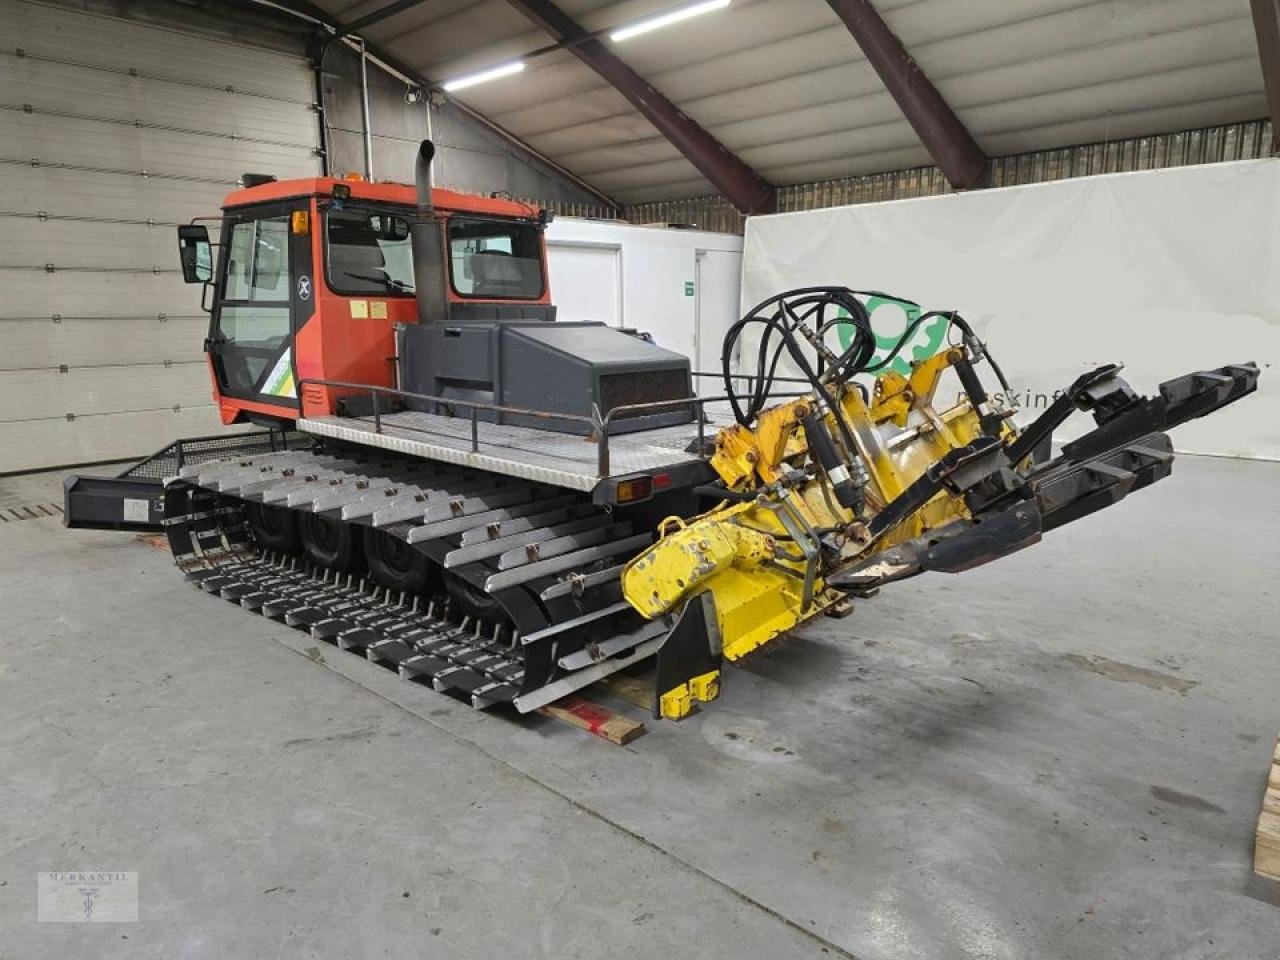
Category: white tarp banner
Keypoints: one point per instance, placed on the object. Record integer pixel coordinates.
(1166, 271)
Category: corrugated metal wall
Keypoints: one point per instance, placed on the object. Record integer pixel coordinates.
(469, 156)
(111, 133)
(1236, 141)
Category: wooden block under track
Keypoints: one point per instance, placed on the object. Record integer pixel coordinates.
(631, 689)
(1266, 850)
(594, 718)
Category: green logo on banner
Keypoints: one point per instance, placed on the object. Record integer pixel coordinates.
(927, 340)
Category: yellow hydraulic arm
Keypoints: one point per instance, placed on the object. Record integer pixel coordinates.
(764, 551)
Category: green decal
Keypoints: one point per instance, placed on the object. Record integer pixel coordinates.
(927, 340)
(688, 288)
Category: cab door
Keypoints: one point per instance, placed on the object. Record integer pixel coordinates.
(265, 294)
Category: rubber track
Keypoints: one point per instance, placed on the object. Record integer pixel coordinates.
(388, 629)
(564, 612)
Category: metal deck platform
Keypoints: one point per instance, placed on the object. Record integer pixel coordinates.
(562, 459)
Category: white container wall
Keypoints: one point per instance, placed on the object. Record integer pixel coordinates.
(680, 286)
(1166, 271)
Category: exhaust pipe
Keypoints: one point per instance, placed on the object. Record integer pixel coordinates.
(429, 276)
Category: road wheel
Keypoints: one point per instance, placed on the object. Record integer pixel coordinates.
(330, 543)
(472, 600)
(394, 563)
(273, 528)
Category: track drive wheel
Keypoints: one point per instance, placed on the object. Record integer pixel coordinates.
(330, 543)
(394, 563)
(273, 528)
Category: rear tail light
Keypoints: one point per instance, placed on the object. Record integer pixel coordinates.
(629, 491)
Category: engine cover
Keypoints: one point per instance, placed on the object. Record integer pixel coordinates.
(570, 368)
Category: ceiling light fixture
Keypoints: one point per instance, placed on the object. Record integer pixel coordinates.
(616, 34)
(666, 19)
(483, 76)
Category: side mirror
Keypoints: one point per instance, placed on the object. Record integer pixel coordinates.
(196, 253)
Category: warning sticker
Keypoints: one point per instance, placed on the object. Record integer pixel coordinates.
(280, 382)
(378, 309)
(136, 511)
(359, 309)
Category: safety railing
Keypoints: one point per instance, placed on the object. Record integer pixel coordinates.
(168, 461)
(600, 426)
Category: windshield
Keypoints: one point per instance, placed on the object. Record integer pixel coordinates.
(369, 252)
(495, 259)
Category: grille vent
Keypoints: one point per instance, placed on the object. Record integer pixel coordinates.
(642, 386)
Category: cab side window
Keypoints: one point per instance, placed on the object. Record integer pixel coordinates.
(495, 259)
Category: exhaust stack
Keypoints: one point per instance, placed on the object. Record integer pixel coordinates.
(428, 247)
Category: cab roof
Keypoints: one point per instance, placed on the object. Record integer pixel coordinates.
(399, 193)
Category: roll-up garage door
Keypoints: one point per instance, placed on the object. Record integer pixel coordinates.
(111, 133)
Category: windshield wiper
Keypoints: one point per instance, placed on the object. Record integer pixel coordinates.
(392, 284)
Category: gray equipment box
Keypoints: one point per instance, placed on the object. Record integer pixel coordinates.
(569, 368)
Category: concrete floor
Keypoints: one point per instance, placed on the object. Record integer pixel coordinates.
(1061, 755)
